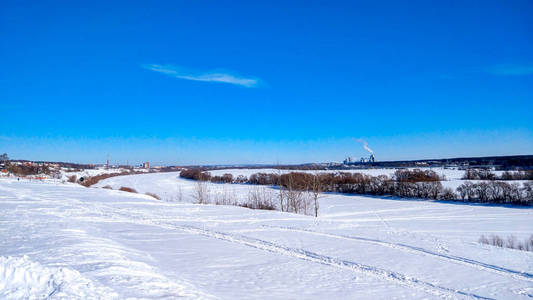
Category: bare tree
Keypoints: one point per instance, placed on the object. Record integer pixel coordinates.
(201, 192)
(225, 197)
(316, 188)
(179, 194)
(296, 193)
(260, 198)
(281, 194)
(292, 195)
(527, 191)
(306, 202)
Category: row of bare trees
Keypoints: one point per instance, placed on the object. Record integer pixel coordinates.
(496, 192)
(25, 170)
(299, 191)
(511, 242)
(405, 183)
(485, 174)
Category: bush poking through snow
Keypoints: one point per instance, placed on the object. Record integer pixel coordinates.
(127, 189)
(511, 242)
(201, 192)
(88, 181)
(153, 195)
(264, 206)
(108, 187)
(260, 198)
(72, 178)
(226, 197)
(447, 194)
(195, 174)
(25, 170)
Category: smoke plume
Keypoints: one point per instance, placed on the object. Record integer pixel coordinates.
(365, 145)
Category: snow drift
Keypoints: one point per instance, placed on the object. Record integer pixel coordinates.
(20, 278)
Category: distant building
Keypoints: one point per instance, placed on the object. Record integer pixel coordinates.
(146, 165)
(363, 160)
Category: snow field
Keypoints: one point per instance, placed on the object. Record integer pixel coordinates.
(359, 247)
(21, 278)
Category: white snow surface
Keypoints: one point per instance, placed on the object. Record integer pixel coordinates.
(95, 172)
(105, 244)
(21, 278)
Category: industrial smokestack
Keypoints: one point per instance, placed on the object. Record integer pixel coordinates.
(365, 145)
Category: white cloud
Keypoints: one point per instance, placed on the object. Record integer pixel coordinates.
(213, 76)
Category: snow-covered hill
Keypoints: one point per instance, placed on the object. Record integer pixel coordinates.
(67, 241)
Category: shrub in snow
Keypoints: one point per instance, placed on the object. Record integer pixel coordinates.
(127, 189)
(225, 197)
(72, 178)
(153, 195)
(511, 242)
(447, 194)
(201, 192)
(260, 198)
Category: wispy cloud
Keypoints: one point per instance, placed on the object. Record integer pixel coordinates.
(494, 70)
(211, 76)
(510, 70)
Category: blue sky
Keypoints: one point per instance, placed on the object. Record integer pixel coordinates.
(203, 82)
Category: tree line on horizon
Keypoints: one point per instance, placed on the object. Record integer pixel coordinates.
(404, 183)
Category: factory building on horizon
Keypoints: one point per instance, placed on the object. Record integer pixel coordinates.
(363, 160)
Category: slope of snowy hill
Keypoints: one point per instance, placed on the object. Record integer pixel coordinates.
(66, 241)
(65, 174)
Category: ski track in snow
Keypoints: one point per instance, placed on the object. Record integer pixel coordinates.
(373, 271)
(412, 249)
(379, 273)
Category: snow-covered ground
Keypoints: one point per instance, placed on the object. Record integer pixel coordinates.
(67, 241)
(65, 173)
